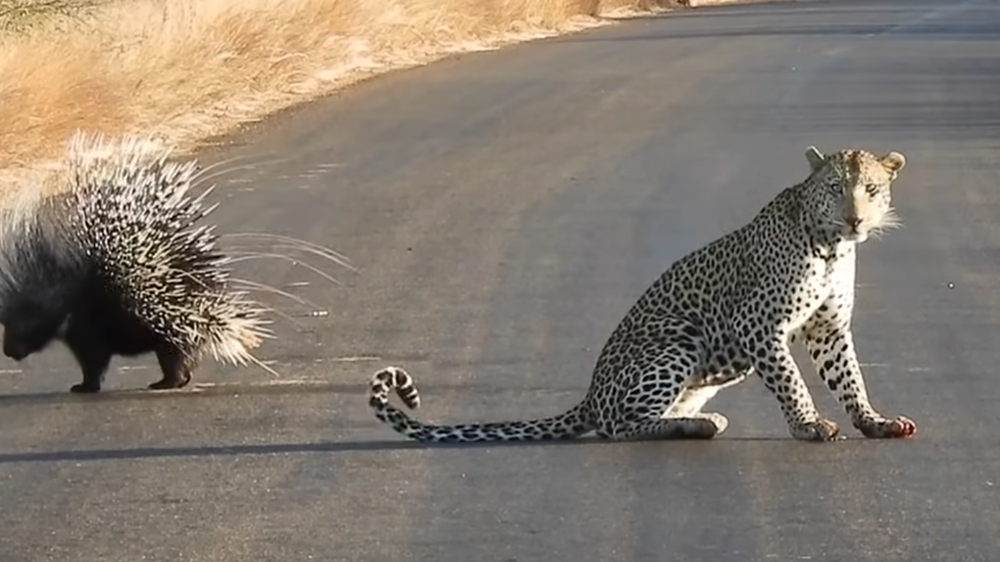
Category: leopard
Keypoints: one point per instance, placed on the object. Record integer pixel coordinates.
(720, 314)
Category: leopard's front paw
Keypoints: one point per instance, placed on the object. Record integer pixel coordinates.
(818, 430)
(885, 428)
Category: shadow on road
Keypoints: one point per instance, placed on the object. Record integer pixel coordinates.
(289, 448)
(933, 32)
(771, 9)
(262, 449)
(235, 389)
(198, 390)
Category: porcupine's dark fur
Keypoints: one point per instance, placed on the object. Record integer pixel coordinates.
(115, 264)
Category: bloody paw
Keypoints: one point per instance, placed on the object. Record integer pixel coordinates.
(899, 428)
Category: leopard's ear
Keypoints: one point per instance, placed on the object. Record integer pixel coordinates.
(815, 158)
(894, 161)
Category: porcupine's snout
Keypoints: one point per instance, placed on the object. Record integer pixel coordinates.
(13, 348)
(24, 338)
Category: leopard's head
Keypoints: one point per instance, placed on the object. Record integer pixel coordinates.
(849, 192)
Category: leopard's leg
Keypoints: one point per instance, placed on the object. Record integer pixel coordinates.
(701, 390)
(660, 368)
(831, 348)
(772, 360)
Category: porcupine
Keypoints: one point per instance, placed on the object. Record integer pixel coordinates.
(116, 264)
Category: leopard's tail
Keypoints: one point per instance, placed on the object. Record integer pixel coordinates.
(573, 423)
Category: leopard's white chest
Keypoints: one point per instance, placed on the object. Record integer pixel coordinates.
(841, 268)
(826, 277)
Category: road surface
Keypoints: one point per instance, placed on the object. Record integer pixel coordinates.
(503, 210)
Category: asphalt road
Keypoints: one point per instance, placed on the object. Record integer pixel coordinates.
(503, 210)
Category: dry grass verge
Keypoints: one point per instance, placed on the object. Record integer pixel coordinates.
(187, 69)
(20, 16)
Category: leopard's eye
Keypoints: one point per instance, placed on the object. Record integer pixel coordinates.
(871, 189)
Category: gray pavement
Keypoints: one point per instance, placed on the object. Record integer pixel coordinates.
(503, 210)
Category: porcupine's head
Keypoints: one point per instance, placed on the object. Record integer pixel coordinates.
(140, 230)
(41, 273)
(34, 333)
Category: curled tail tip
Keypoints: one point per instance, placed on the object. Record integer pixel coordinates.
(393, 379)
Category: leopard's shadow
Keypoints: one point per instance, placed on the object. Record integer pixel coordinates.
(304, 448)
(398, 444)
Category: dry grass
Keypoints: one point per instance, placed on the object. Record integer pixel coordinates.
(20, 16)
(187, 69)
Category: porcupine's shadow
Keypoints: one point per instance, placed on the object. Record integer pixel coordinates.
(195, 390)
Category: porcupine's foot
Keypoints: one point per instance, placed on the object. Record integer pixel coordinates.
(93, 378)
(167, 383)
(90, 352)
(85, 388)
(176, 368)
